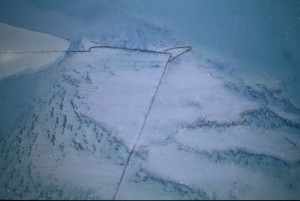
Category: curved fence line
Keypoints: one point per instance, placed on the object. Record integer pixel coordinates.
(188, 48)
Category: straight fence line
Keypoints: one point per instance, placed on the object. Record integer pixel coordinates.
(188, 48)
(170, 59)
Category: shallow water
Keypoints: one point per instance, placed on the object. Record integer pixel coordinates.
(223, 123)
(259, 39)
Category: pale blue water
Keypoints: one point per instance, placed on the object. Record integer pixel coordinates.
(264, 34)
(244, 66)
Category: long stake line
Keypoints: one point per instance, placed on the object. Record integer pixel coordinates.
(170, 59)
(165, 52)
